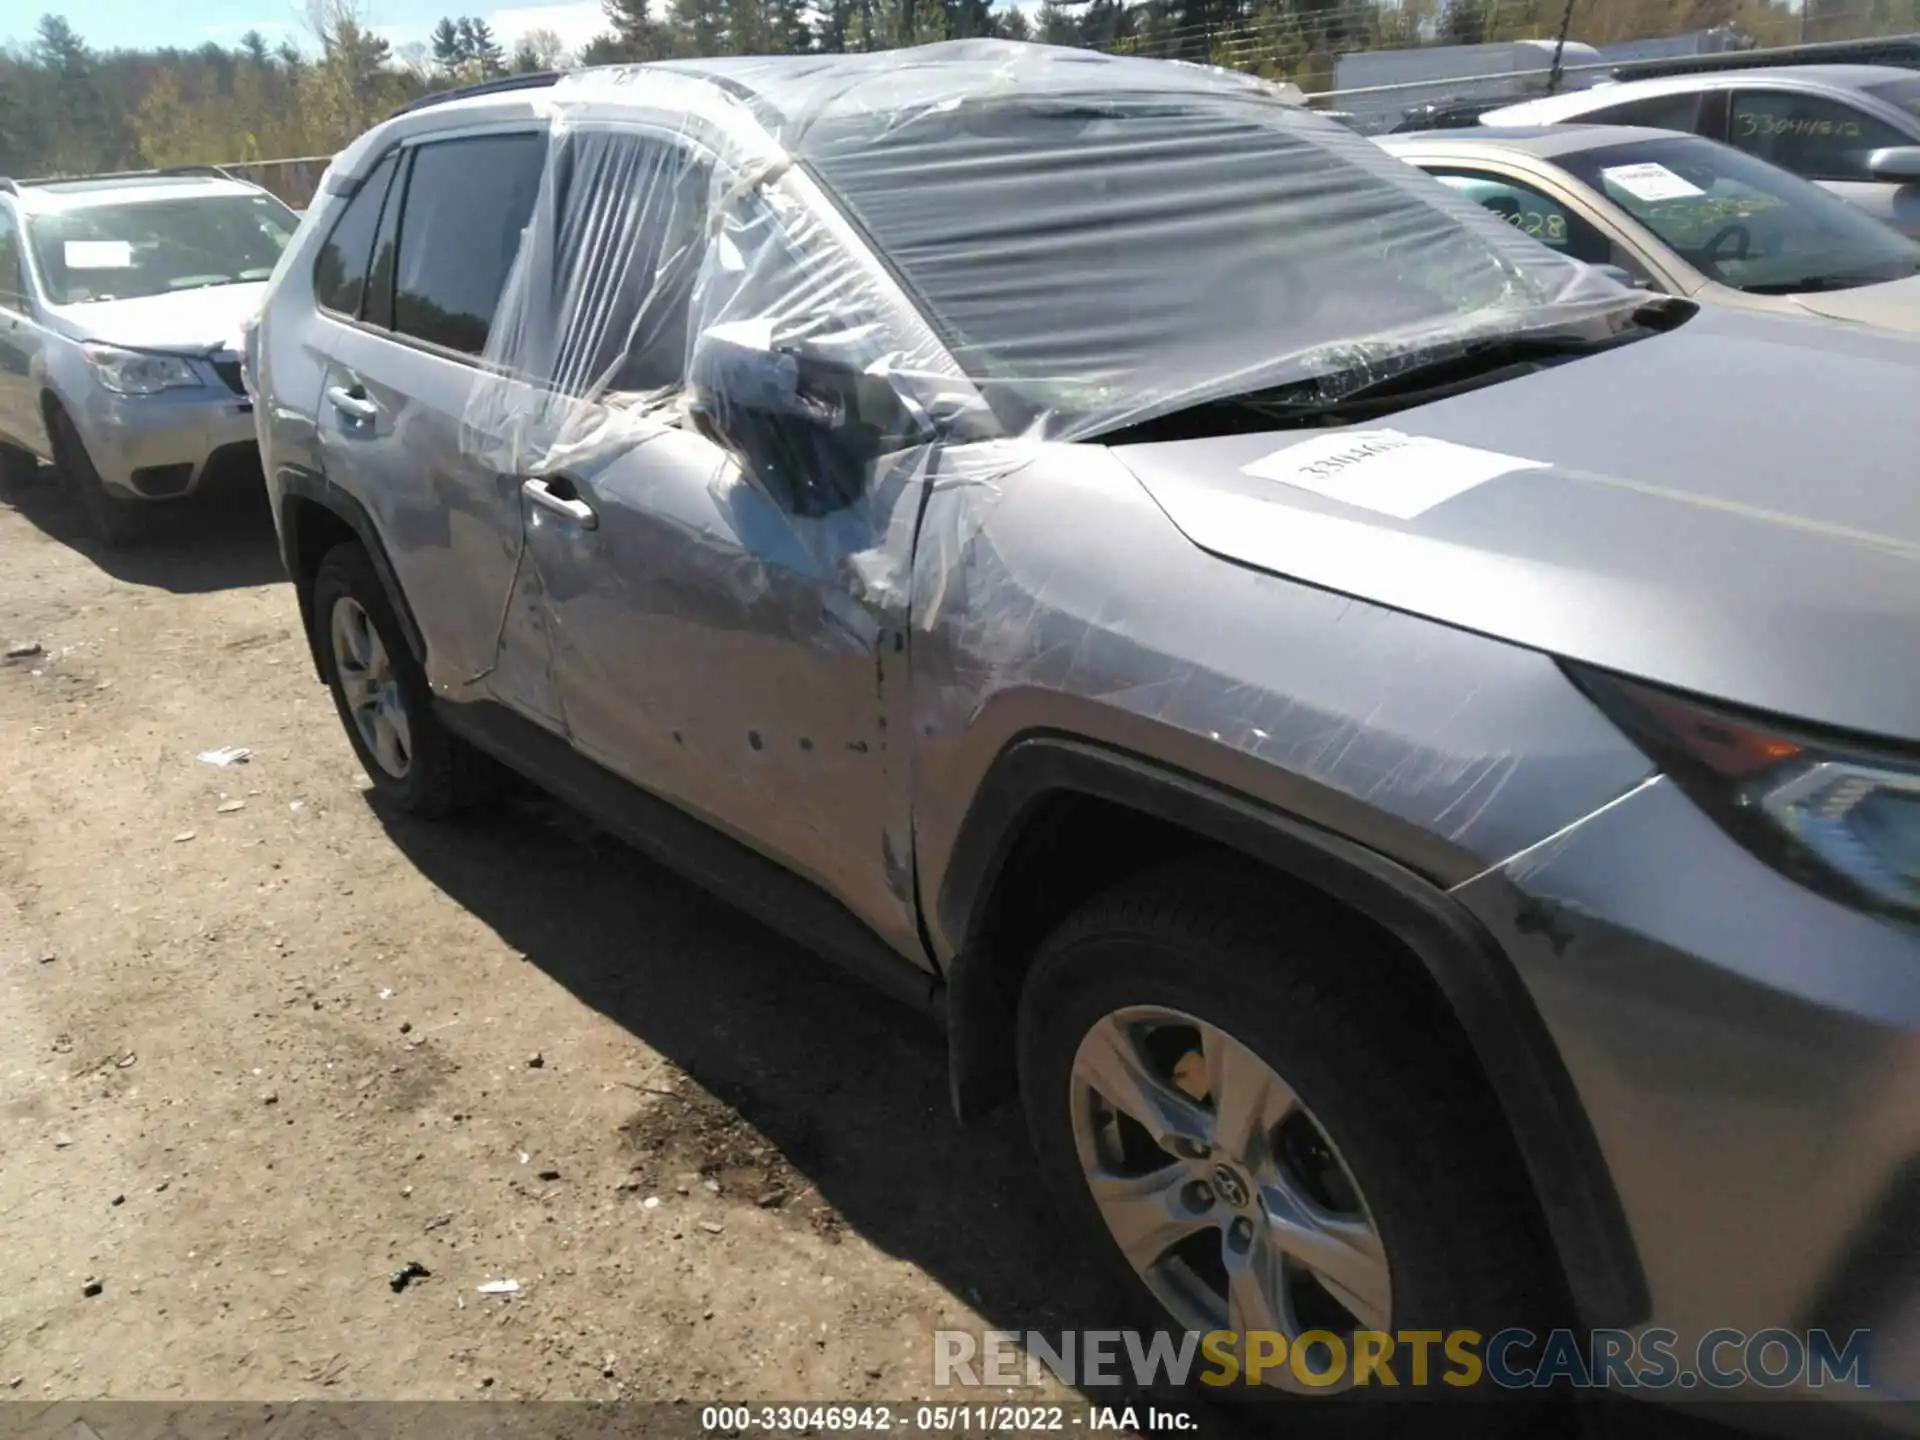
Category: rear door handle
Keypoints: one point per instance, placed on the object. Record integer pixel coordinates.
(569, 507)
(353, 403)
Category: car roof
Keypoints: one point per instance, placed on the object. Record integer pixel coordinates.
(66, 196)
(1575, 102)
(1544, 141)
(798, 89)
(777, 107)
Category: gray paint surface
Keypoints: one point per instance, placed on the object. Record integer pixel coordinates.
(1727, 508)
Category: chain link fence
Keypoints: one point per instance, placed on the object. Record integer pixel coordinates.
(1375, 62)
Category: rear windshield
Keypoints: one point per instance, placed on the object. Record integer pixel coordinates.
(1741, 221)
(1112, 256)
(151, 247)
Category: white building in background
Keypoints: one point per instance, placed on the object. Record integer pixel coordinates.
(1380, 86)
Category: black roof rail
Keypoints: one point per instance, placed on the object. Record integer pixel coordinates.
(537, 81)
(1901, 51)
(220, 171)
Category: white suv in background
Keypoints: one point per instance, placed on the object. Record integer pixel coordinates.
(122, 300)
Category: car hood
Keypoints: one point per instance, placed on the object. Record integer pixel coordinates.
(1895, 304)
(1731, 508)
(191, 322)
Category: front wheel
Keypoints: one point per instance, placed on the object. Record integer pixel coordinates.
(416, 763)
(115, 521)
(1266, 1127)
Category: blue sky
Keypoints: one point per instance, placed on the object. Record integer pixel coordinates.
(105, 24)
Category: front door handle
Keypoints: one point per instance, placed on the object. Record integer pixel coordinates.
(353, 403)
(569, 507)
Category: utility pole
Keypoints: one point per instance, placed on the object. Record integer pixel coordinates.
(1560, 47)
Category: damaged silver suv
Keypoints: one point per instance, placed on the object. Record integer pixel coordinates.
(1403, 755)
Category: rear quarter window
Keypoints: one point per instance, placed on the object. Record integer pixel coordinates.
(340, 269)
(1659, 112)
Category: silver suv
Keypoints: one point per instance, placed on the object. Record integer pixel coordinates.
(122, 301)
(1402, 753)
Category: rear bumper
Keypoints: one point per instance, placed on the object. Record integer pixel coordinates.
(1748, 1054)
(159, 447)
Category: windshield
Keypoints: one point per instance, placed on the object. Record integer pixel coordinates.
(150, 247)
(1106, 258)
(1741, 221)
(1904, 93)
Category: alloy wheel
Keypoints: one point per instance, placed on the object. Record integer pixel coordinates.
(371, 688)
(1220, 1188)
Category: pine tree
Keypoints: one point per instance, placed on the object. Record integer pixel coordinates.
(447, 49)
(790, 27)
(81, 136)
(835, 19)
(746, 28)
(1058, 25)
(636, 34)
(485, 49)
(699, 27)
(254, 46)
(966, 19)
(608, 49)
(540, 49)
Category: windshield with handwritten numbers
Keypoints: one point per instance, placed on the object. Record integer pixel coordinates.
(1741, 221)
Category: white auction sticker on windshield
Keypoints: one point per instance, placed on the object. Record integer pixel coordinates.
(1650, 182)
(1385, 470)
(99, 254)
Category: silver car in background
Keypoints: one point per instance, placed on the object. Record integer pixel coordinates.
(1683, 216)
(1853, 128)
(122, 301)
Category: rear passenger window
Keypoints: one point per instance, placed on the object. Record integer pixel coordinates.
(467, 203)
(1810, 135)
(340, 271)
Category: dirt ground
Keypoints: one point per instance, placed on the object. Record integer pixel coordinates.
(264, 1044)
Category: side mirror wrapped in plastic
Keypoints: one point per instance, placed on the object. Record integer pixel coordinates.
(803, 423)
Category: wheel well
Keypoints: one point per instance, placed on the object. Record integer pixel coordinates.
(312, 529)
(1071, 848)
(1074, 847)
(1077, 847)
(1057, 820)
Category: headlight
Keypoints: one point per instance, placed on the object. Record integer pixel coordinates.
(1842, 816)
(128, 372)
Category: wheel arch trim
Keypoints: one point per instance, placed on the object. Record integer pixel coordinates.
(1582, 1211)
(318, 490)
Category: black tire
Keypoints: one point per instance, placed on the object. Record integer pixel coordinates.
(1383, 1071)
(444, 775)
(114, 522)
